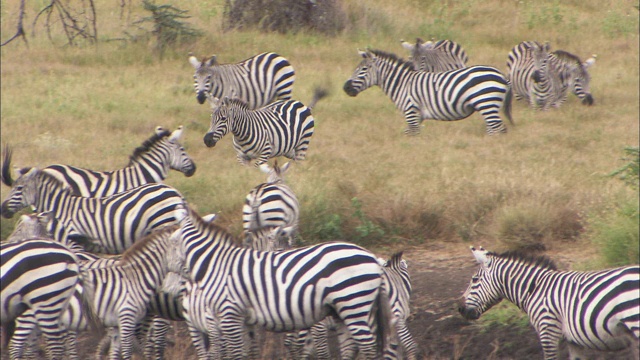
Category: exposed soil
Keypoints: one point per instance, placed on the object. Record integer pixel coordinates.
(439, 276)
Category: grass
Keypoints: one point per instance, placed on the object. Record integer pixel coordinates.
(364, 180)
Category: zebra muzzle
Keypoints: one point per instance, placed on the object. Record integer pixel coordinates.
(209, 140)
(6, 213)
(202, 97)
(468, 313)
(349, 89)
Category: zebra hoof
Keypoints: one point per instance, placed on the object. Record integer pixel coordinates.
(588, 100)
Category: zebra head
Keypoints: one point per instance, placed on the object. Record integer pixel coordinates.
(203, 76)
(270, 238)
(23, 193)
(32, 226)
(219, 121)
(481, 294)
(179, 158)
(579, 78)
(364, 76)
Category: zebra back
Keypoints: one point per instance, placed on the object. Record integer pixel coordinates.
(245, 80)
(444, 55)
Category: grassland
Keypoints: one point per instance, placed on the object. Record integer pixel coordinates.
(545, 182)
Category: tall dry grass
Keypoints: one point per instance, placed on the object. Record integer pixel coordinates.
(363, 179)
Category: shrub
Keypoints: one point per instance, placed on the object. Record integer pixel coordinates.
(618, 236)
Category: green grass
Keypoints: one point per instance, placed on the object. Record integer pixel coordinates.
(363, 180)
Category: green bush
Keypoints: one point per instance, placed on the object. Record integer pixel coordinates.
(618, 236)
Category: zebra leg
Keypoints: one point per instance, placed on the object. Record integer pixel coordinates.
(491, 115)
(294, 342)
(550, 336)
(409, 346)
(54, 335)
(23, 344)
(413, 118)
(199, 340)
(233, 327)
(158, 338)
(348, 348)
(126, 334)
(361, 333)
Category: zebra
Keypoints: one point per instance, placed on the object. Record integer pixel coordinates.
(282, 128)
(39, 277)
(257, 81)
(109, 225)
(272, 203)
(444, 55)
(564, 70)
(31, 226)
(283, 291)
(451, 95)
(150, 163)
(399, 289)
(593, 310)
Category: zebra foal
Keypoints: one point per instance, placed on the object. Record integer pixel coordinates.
(451, 95)
(273, 290)
(282, 128)
(594, 310)
(256, 81)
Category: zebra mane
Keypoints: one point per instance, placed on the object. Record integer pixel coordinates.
(393, 58)
(6, 166)
(148, 144)
(540, 261)
(567, 57)
(216, 230)
(145, 243)
(236, 103)
(395, 260)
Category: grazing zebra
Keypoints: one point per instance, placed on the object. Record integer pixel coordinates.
(272, 203)
(284, 291)
(399, 289)
(257, 81)
(593, 310)
(39, 276)
(283, 128)
(444, 55)
(563, 70)
(451, 95)
(150, 163)
(109, 225)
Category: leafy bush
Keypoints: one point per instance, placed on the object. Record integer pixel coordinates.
(618, 236)
(285, 16)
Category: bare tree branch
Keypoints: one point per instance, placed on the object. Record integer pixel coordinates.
(20, 31)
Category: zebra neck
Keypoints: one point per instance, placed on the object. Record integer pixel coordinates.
(392, 78)
(519, 283)
(150, 170)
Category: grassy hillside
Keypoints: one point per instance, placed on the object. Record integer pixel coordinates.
(544, 182)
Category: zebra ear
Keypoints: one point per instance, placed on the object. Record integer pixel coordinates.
(180, 212)
(214, 102)
(364, 54)
(265, 168)
(45, 218)
(285, 167)
(407, 45)
(590, 61)
(211, 61)
(210, 217)
(194, 61)
(175, 135)
(159, 130)
(481, 255)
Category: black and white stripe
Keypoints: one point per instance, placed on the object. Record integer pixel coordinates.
(444, 55)
(542, 78)
(282, 128)
(257, 81)
(594, 309)
(283, 291)
(450, 95)
(271, 204)
(398, 286)
(109, 225)
(39, 276)
(150, 163)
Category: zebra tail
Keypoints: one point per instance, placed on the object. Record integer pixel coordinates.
(89, 311)
(318, 94)
(508, 99)
(386, 335)
(6, 166)
(7, 333)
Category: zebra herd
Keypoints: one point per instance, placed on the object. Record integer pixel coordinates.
(168, 263)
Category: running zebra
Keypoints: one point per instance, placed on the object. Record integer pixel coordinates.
(150, 163)
(283, 128)
(257, 81)
(108, 225)
(594, 310)
(451, 95)
(39, 276)
(563, 71)
(271, 204)
(398, 284)
(245, 287)
(444, 55)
